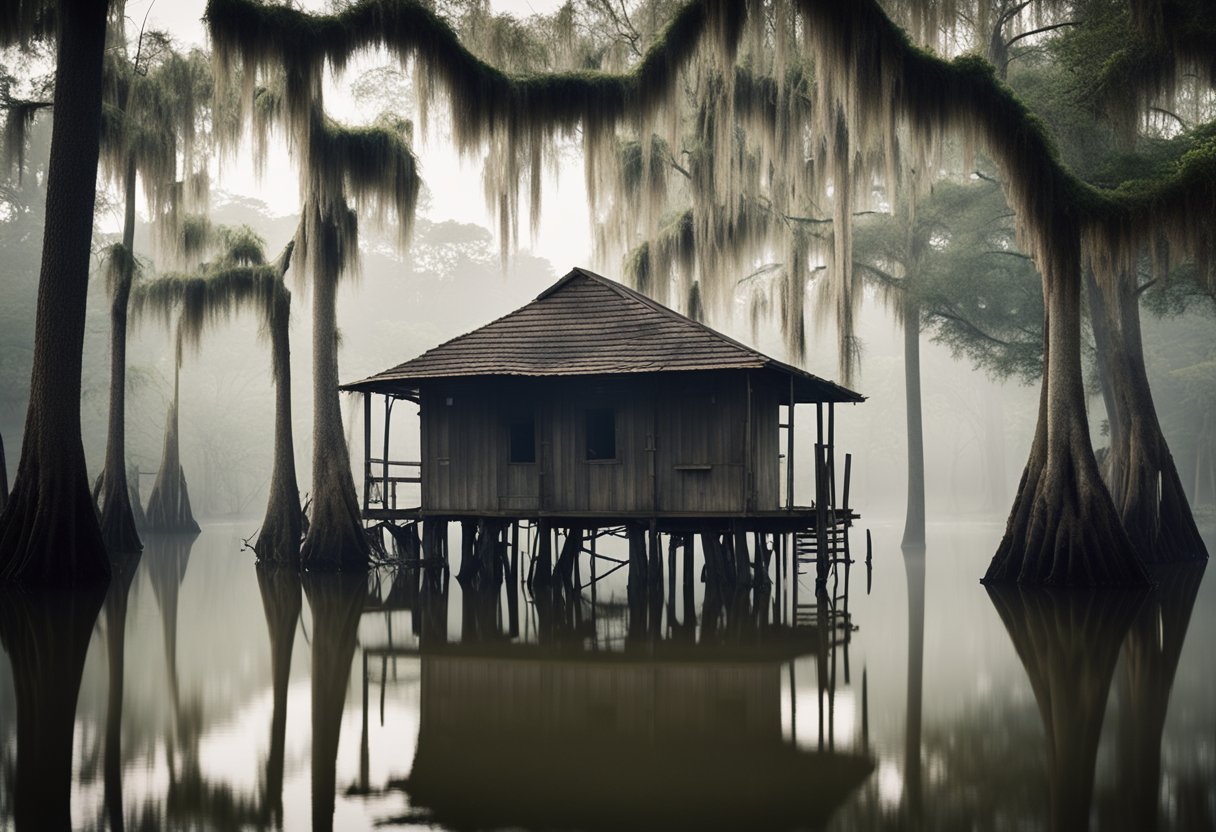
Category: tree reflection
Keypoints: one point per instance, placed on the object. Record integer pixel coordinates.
(123, 566)
(1150, 662)
(1069, 644)
(914, 568)
(167, 557)
(46, 636)
(336, 601)
(281, 602)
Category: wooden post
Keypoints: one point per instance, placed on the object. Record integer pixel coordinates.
(821, 519)
(655, 566)
(367, 449)
(747, 447)
(543, 573)
(513, 584)
(789, 449)
(830, 462)
(848, 470)
(595, 533)
(672, 542)
(468, 550)
(388, 415)
(637, 563)
(690, 597)
(743, 566)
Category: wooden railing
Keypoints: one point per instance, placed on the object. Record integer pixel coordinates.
(381, 478)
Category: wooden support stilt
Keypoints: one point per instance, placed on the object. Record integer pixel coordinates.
(672, 542)
(638, 579)
(655, 561)
(367, 449)
(513, 584)
(468, 550)
(542, 574)
(569, 555)
(743, 565)
(690, 597)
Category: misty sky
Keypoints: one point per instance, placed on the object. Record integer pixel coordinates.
(454, 185)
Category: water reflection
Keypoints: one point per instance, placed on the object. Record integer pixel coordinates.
(46, 636)
(123, 567)
(1068, 642)
(480, 704)
(336, 601)
(281, 601)
(569, 732)
(1146, 677)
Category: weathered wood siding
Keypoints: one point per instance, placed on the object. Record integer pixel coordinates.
(682, 445)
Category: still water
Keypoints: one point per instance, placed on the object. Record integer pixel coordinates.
(238, 698)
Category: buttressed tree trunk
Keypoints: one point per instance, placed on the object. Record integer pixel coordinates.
(114, 495)
(279, 538)
(169, 502)
(49, 531)
(914, 522)
(1069, 643)
(335, 538)
(3, 477)
(1139, 467)
(1063, 529)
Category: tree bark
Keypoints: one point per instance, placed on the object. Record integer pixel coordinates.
(114, 495)
(169, 503)
(335, 538)
(1063, 529)
(1139, 468)
(3, 477)
(914, 519)
(282, 527)
(49, 531)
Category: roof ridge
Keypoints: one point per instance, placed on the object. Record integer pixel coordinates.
(644, 300)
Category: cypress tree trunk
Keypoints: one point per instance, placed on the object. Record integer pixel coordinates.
(1064, 529)
(914, 521)
(169, 503)
(114, 496)
(279, 538)
(335, 538)
(281, 602)
(1140, 470)
(3, 477)
(46, 636)
(49, 531)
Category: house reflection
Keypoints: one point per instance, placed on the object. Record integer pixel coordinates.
(580, 729)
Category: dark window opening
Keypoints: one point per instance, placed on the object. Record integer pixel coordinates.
(601, 433)
(523, 440)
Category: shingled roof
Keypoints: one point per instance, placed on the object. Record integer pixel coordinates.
(588, 325)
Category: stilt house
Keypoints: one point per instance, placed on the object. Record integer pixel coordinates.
(594, 405)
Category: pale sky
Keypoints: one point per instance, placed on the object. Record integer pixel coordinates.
(454, 184)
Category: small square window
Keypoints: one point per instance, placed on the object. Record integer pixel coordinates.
(523, 440)
(601, 433)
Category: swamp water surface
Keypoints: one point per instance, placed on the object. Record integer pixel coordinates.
(257, 700)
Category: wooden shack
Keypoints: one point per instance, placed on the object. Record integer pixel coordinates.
(595, 405)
